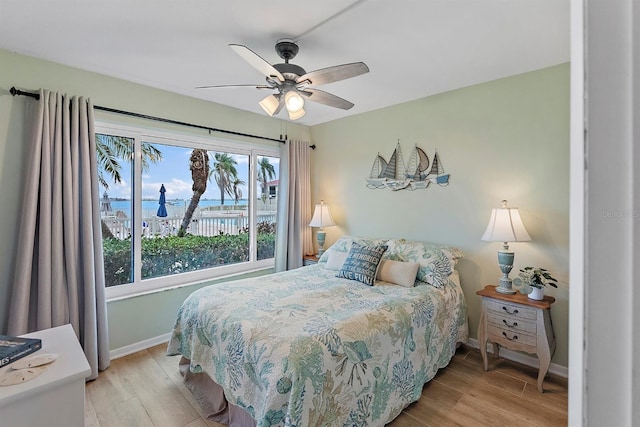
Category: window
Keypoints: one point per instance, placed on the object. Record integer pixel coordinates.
(176, 210)
(267, 172)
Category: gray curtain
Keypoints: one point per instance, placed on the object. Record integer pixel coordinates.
(293, 237)
(59, 271)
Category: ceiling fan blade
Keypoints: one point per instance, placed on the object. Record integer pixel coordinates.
(326, 98)
(333, 74)
(257, 62)
(247, 85)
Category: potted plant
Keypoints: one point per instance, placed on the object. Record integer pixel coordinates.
(533, 280)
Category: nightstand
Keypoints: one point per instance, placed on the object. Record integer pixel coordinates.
(518, 323)
(310, 259)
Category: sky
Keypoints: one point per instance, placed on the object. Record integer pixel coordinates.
(173, 171)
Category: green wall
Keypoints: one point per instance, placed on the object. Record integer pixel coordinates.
(505, 139)
(142, 317)
(152, 314)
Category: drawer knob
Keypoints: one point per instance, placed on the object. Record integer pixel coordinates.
(515, 337)
(515, 311)
(513, 325)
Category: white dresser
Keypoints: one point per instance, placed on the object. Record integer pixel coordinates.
(56, 397)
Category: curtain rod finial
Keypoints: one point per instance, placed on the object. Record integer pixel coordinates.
(13, 91)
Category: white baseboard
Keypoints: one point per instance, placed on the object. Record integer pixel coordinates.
(514, 356)
(139, 346)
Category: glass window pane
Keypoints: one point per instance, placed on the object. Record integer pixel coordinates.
(268, 171)
(194, 211)
(114, 176)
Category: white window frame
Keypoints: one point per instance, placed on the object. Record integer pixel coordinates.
(210, 143)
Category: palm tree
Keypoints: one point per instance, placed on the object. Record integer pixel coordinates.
(225, 173)
(236, 189)
(199, 165)
(266, 172)
(110, 150)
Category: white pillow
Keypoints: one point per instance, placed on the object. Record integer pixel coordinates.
(398, 272)
(336, 260)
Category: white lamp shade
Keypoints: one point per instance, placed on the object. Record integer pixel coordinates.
(293, 101)
(505, 225)
(270, 104)
(297, 114)
(322, 217)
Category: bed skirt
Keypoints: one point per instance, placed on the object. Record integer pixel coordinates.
(210, 397)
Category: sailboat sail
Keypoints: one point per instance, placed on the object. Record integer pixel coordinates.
(379, 164)
(375, 179)
(400, 167)
(436, 167)
(390, 170)
(418, 163)
(395, 168)
(395, 171)
(440, 177)
(424, 160)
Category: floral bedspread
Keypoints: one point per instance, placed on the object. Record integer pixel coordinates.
(305, 348)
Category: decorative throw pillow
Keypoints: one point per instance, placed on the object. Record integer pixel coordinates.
(343, 244)
(436, 262)
(362, 263)
(398, 272)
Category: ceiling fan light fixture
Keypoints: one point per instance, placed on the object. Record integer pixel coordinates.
(293, 102)
(270, 104)
(297, 114)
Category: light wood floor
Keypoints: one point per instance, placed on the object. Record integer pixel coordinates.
(145, 389)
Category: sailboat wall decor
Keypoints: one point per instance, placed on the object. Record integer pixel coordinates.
(393, 174)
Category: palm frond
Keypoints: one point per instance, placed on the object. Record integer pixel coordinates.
(224, 173)
(108, 163)
(111, 150)
(266, 172)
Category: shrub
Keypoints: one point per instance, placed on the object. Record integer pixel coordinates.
(172, 255)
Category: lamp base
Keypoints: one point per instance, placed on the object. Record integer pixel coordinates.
(505, 261)
(320, 236)
(505, 287)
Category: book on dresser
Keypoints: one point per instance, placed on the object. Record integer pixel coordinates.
(14, 348)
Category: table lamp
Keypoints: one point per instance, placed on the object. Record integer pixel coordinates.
(321, 218)
(505, 226)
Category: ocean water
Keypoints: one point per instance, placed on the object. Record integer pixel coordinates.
(150, 207)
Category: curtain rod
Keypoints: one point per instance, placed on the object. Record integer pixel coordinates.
(15, 92)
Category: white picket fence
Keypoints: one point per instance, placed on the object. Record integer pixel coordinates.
(203, 223)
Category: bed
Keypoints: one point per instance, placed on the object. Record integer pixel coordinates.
(307, 348)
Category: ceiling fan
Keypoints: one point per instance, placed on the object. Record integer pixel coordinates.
(292, 83)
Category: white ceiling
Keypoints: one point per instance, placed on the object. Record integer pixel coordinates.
(414, 48)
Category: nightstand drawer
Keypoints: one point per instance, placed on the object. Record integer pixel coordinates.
(501, 335)
(508, 322)
(513, 310)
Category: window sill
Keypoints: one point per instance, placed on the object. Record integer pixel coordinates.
(167, 283)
